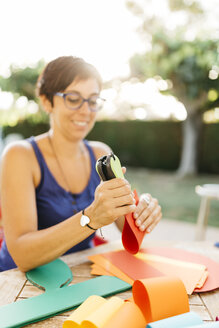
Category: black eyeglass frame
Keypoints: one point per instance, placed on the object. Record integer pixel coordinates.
(65, 94)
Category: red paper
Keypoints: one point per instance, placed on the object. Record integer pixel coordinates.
(131, 235)
(131, 266)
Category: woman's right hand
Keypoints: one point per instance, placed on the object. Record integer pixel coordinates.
(113, 199)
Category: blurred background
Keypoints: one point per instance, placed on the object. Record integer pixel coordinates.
(159, 60)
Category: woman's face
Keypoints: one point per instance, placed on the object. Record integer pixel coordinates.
(75, 124)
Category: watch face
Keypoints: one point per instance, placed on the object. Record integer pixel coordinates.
(84, 220)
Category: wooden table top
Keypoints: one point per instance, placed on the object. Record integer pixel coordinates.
(14, 286)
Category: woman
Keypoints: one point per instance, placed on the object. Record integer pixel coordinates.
(47, 181)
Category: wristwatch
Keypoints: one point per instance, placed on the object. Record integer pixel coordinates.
(85, 220)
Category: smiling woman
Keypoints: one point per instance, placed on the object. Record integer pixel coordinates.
(49, 182)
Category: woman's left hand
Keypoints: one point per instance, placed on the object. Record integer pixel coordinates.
(148, 213)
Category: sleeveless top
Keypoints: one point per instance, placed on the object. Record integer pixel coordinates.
(55, 204)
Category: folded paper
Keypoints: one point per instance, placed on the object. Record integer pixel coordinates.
(93, 313)
(153, 299)
(160, 297)
(128, 316)
(131, 235)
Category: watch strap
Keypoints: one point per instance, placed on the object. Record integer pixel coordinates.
(87, 223)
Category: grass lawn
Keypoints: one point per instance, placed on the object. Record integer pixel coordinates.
(176, 195)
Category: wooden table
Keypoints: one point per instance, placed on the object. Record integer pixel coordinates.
(14, 286)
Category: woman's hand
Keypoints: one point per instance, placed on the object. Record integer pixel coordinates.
(113, 199)
(147, 213)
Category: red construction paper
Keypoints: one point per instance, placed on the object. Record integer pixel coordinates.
(160, 298)
(131, 266)
(131, 235)
(110, 267)
(212, 281)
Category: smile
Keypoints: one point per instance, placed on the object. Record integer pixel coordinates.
(80, 123)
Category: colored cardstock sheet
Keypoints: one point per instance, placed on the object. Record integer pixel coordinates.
(190, 273)
(58, 300)
(212, 281)
(131, 266)
(160, 297)
(94, 312)
(97, 312)
(108, 266)
(128, 316)
(153, 299)
(179, 321)
(131, 235)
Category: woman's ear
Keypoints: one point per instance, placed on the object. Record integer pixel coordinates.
(47, 106)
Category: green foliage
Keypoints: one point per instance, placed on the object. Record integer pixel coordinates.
(150, 144)
(186, 63)
(190, 6)
(22, 81)
(32, 125)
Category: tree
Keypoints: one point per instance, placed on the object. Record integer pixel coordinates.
(192, 67)
(22, 81)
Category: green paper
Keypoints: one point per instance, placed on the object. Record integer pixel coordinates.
(116, 167)
(55, 274)
(57, 300)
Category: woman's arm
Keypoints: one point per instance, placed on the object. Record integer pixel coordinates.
(31, 247)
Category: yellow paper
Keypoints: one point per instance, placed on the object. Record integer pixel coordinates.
(190, 273)
(102, 314)
(90, 305)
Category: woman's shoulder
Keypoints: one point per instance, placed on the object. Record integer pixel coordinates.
(99, 148)
(17, 150)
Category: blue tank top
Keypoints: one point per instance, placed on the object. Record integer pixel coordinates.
(55, 204)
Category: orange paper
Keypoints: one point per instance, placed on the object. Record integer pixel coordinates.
(160, 298)
(110, 267)
(190, 273)
(212, 281)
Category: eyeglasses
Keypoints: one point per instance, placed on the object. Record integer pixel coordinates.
(73, 100)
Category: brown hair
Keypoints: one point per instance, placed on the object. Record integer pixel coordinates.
(61, 72)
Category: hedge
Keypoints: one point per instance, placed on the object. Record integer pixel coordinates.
(150, 144)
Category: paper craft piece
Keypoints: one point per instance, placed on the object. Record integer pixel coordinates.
(160, 298)
(94, 312)
(180, 321)
(131, 266)
(128, 316)
(190, 273)
(108, 266)
(91, 304)
(131, 235)
(55, 274)
(57, 301)
(212, 281)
